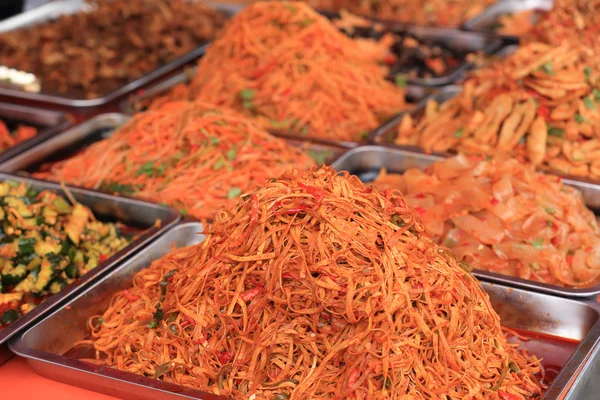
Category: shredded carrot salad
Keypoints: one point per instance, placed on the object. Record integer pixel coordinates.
(502, 216)
(191, 156)
(291, 70)
(9, 139)
(315, 286)
(540, 104)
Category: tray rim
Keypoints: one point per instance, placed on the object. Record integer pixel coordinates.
(39, 13)
(487, 276)
(569, 374)
(51, 303)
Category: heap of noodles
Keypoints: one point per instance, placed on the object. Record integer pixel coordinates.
(312, 287)
(291, 70)
(188, 155)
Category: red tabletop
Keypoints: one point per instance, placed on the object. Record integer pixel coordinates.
(19, 381)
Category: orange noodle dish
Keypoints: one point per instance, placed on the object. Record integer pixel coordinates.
(419, 12)
(315, 286)
(188, 155)
(10, 138)
(290, 69)
(504, 217)
(540, 104)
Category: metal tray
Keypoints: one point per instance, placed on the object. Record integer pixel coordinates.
(48, 123)
(131, 212)
(46, 344)
(366, 161)
(487, 20)
(55, 9)
(72, 140)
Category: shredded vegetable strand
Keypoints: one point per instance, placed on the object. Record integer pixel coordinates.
(315, 286)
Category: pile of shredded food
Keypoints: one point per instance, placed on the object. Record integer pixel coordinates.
(191, 156)
(311, 287)
(47, 243)
(540, 104)
(109, 44)
(419, 12)
(291, 70)
(10, 138)
(502, 216)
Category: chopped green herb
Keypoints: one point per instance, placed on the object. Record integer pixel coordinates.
(214, 140)
(161, 370)
(588, 72)
(291, 8)
(231, 153)
(400, 80)
(161, 170)
(307, 22)
(218, 164)
(459, 133)
(173, 329)
(146, 169)
(579, 118)
(304, 130)
(100, 322)
(234, 192)
(388, 383)
(554, 131)
(248, 104)
(220, 122)
(488, 158)
(538, 243)
(513, 366)
(589, 104)
(8, 317)
(153, 324)
(320, 156)
(535, 266)
(549, 210)
(548, 68)
(183, 212)
(549, 223)
(596, 94)
(247, 94)
(364, 135)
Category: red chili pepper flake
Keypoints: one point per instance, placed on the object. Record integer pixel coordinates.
(103, 257)
(287, 275)
(389, 59)
(420, 196)
(225, 357)
(588, 249)
(129, 296)
(187, 322)
(507, 396)
(543, 112)
(325, 315)
(555, 241)
(570, 260)
(250, 294)
(475, 254)
(421, 210)
(354, 374)
(494, 201)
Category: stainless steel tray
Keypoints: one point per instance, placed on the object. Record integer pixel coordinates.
(48, 123)
(55, 9)
(366, 161)
(46, 344)
(488, 19)
(136, 213)
(69, 142)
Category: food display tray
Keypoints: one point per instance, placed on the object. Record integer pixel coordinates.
(49, 345)
(487, 20)
(76, 138)
(366, 161)
(48, 123)
(135, 213)
(387, 133)
(55, 9)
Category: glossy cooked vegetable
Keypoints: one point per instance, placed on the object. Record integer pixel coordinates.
(46, 243)
(502, 216)
(87, 54)
(312, 287)
(10, 138)
(540, 104)
(192, 156)
(289, 69)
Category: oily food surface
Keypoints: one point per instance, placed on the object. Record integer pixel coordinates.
(10, 138)
(315, 286)
(418, 12)
(191, 156)
(290, 69)
(502, 216)
(540, 104)
(46, 244)
(88, 54)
